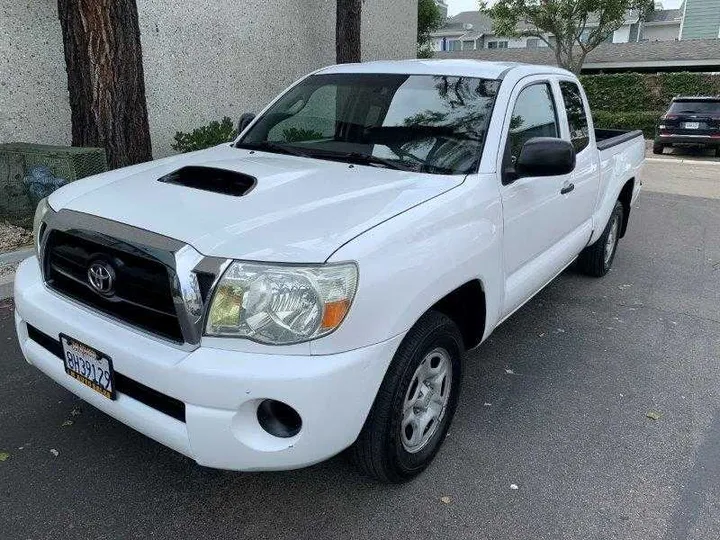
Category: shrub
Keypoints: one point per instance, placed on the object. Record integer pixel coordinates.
(206, 136)
(643, 120)
(631, 92)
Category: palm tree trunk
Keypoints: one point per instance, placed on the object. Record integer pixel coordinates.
(105, 78)
(347, 31)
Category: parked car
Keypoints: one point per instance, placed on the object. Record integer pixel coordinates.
(313, 285)
(690, 121)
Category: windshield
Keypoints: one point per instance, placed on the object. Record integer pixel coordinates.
(695, 107)
(424, 123)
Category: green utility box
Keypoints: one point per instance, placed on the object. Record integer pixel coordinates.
(29, 172)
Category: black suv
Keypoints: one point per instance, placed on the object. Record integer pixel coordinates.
(690, 121)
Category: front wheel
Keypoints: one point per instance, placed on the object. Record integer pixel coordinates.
(658, 148)
(596, 260)
(415, 404)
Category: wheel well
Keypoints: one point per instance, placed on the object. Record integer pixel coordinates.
(625, 198)
(466, 307)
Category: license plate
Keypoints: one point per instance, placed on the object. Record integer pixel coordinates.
(692, 125)
(89, 366)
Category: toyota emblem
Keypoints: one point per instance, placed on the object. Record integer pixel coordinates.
(101, 277)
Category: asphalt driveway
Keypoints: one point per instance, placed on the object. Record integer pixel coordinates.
(555, 404)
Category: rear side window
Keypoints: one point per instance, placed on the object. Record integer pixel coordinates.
(577, 118)
(682, 106)
(533, 116)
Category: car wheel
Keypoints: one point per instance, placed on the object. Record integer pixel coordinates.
(416, 402)
(596, 260)
(658, 148)
(717, 151)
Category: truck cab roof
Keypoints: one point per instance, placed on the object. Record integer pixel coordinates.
(453, 67)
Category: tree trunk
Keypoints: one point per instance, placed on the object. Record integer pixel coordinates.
(347, 31)
(105, 78)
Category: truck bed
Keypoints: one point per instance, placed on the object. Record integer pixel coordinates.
(607, 138)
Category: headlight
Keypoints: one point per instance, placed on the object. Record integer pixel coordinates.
(42, 208)
(281, 304)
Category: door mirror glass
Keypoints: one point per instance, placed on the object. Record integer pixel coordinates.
(545, 156)
(245, 120)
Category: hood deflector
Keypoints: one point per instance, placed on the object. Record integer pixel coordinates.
(221, 181)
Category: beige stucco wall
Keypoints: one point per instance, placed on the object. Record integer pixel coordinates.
(200, 63)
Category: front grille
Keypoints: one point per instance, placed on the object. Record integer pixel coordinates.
(142, 295)
(124, 385)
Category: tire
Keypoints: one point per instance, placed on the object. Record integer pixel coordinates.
(717, 151)
(596, 260)
(658, 148)
(392, 446)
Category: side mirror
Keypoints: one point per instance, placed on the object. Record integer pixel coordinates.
(545, 156)
(245, 120)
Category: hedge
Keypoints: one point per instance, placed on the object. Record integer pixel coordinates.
(644, 120)
(637, 100)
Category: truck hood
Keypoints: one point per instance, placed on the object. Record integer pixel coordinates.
(300, 210)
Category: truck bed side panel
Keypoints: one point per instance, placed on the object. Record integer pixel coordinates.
(619, 162)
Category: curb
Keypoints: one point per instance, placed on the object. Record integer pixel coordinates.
(16, 256)
(6, 286)
(12, 257)
(689, 161)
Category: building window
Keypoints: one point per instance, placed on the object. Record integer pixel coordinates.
(492, 45)
(502, 44)
(533, 43)
(454, 45)
(468, 45)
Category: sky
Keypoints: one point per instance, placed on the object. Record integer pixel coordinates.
(456, 6)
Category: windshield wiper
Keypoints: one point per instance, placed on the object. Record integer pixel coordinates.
(277, 147)
(368, 158)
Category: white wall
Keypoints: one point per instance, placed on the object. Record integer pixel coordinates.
(622, 34)
(200, 63)
(660, 33)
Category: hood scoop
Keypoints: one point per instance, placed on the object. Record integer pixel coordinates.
(223, 181)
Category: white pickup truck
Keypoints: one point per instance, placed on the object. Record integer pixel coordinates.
(311, 287)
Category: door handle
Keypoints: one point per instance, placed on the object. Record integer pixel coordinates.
(567, 188)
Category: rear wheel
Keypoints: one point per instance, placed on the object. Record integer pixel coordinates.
(658, 148)
(717, 151)
(596, 260)
(415, 404)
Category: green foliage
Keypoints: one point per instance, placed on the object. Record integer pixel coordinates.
(567, 20)
(300, 134)
(643, 120)
(637, 91)
(206, 136)
(429, 19)
(637, 100)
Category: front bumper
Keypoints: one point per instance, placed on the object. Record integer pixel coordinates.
(220, 389)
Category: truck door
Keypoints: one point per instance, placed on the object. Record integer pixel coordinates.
(539, 228)
(586, 176)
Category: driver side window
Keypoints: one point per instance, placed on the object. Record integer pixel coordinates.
(534, 115)
(311, 120)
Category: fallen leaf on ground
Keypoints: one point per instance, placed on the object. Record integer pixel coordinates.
(75, 412)
(54, 452)
(446, 500)
(67, 423)
(509, 372)
(652, 415)
(4, 456)
(514, 486)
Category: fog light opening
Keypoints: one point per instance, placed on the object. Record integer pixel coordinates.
(278, 419)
